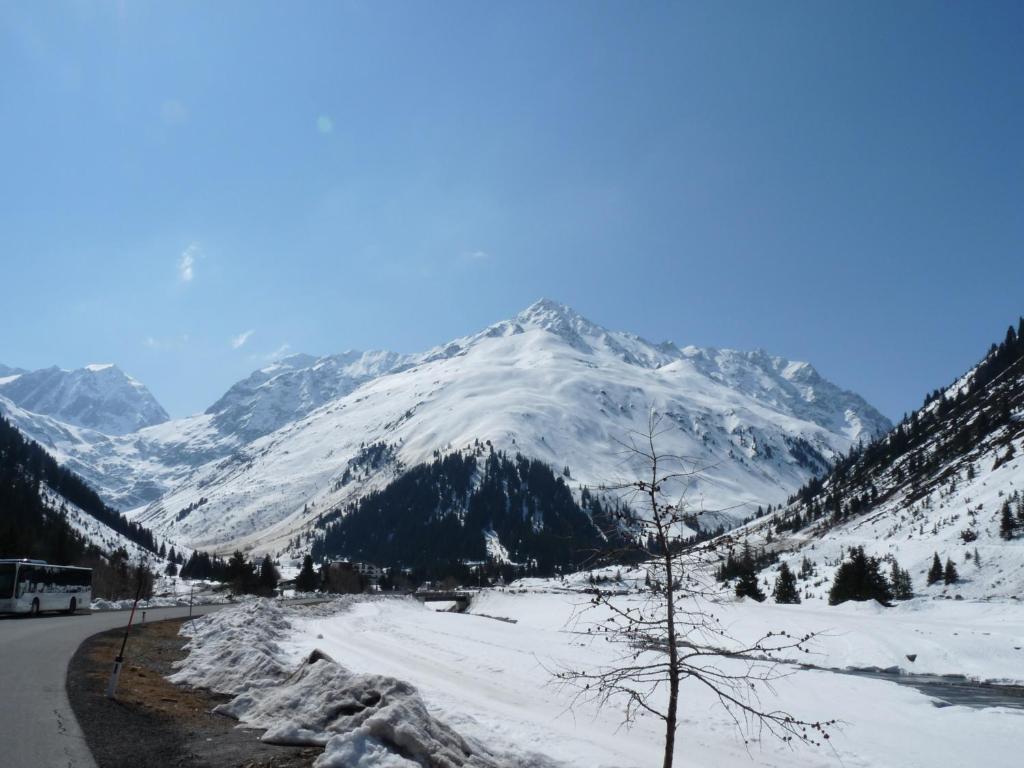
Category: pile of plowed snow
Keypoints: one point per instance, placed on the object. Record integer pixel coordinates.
(361, 720)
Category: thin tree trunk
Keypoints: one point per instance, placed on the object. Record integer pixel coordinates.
(665, 542)
(673, 664)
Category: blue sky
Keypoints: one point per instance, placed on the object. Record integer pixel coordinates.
(836, 182)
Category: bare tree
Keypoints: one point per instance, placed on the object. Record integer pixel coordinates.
(668, 632)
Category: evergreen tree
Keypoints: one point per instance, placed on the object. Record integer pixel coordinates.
(171, 569)
(307, 580)
(902, 583)
(268, 577)
(859, 578)
(786, 591)
(747, 586)
(1007, 525)
(977, 559)
(241, 573)
(949, 575)
(935, 573)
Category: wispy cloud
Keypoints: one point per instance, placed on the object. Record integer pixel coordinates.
(186, 264)
(477, 256)
(239, 340)
(324, 124)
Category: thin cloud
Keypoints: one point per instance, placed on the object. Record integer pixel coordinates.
(187, 262)
(239, 340)
(324, 124)
(477, 256)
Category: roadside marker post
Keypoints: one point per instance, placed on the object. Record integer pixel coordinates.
(115, 673)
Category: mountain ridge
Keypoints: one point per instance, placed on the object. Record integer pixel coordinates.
(547, 382)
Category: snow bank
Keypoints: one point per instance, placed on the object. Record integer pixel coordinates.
(162, 602)
(235, 650)
(361, 720)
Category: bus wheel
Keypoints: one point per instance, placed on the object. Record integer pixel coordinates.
(74, 605)
(35, 608)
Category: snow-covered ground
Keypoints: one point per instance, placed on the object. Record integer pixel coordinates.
(490, 682)
(958, 520)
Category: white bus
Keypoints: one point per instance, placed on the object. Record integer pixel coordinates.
(33, 586)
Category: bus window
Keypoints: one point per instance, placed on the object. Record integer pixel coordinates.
(7, 580)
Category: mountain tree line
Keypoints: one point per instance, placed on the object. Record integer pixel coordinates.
(243, 575)
(948, 426)
(30, 527)
(435, 516)
(27, 468)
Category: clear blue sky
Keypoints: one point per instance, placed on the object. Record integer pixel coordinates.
(836, 182)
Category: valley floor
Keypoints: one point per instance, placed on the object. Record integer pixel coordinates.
(492, 680)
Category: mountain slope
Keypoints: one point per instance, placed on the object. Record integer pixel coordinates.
(293, 387)
(97, 397)
(550, 385)
(941, 482)
(469, 507)
(47, 512)
(136, 468)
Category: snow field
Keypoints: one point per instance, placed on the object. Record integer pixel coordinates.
(492, 680)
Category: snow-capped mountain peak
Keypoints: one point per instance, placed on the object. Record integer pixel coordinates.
(284, 444)
(294, 386)
(101, 397)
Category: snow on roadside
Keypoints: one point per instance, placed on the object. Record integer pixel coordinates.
(361, 720)
(99, 604)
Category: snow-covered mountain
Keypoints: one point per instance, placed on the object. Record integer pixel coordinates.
(293, 387)
(941, 483)
(97, 397)
(547, 383)
(264, 461)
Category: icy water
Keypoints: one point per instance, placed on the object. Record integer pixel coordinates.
(950, 690)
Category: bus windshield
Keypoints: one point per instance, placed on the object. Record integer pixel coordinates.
(7, 580)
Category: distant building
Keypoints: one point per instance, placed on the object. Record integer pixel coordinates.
(348, 577)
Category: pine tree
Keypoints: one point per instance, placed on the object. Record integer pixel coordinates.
(935, 572)
(902, 583)
(859, 578)
(747, 586)
(268, 576)
(977, 559)
(1007, 525)
(307, 580)
(785, 586)
(949, 575)
(241, 573)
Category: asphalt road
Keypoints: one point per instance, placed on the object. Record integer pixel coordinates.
(37, 727)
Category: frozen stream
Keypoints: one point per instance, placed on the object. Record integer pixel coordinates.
(949, 690)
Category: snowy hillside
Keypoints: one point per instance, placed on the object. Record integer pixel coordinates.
(98, 397)
(96, 532)
(293, 387)
(126, 470)
(551, 385)
(942, 483)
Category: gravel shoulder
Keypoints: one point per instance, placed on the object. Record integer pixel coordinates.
(153, 722)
